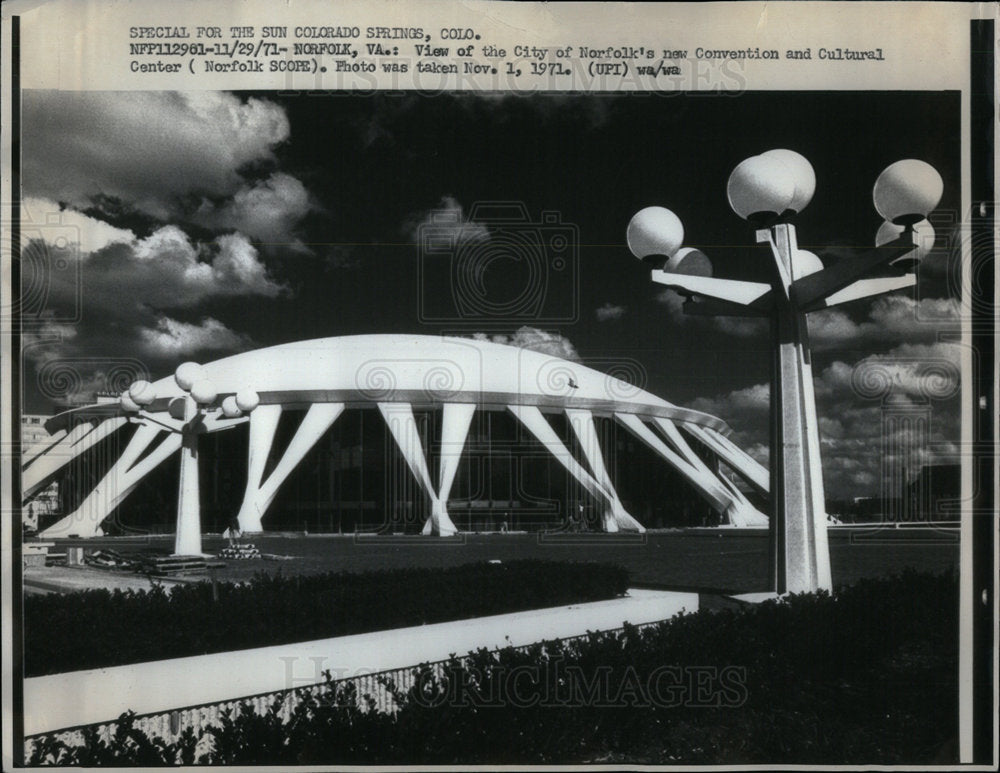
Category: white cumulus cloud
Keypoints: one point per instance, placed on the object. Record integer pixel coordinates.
(169, 269)
(527, 337)
(46, 220)
(609, 311)
(171, 338)
(898, 408)
(268, 210)
(449, 220)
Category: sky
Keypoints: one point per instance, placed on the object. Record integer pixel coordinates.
(172, 226)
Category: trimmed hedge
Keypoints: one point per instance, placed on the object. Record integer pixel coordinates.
(866, 677)
(111, 628)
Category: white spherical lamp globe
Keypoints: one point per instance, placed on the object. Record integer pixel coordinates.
(654, 231)
(142, 393)
(690, 261)
(187, 374)
(760, 187)
(229, 407)
(907, 191)
(805, 263)
(177, 407)
(802, 171)
(923, 238)
(247, 400)
(203, 391)
(127, 403)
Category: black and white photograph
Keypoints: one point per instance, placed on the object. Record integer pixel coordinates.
(643, 417)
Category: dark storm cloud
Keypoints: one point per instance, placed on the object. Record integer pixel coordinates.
(149, 148)
(171, 156)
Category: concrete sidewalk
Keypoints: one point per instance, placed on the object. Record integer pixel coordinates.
(101, 695)
(66, 579)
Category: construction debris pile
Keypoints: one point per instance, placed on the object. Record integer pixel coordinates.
(239, 551)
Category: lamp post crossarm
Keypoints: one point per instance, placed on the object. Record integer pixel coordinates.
(214, 422)
(863, 288)
(732, 291)
(170, 424)
(203, 423)
(716, 308)
(815, 287)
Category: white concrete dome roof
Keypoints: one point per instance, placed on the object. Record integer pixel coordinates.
(424, 371)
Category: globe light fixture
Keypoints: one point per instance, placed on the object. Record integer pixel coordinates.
(761, 188)
(204, 392)
(923, 235)
(654, 234)
(186, 415)
(802, 173)
(177, 406)
(907, 191)
(805, 263)
(247, 399)
(187, 374)
(127, 403)
(768, 190)
(142, 393)
(230, 409)
(690, 261)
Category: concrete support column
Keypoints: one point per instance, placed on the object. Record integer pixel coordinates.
(799, 524)
(263, 425)
(535, 423)
(615, 517)
(46, 465)
(403, 426)
(187, 537)
(740, 512)
(119, 482)
(455, 421)
(707, 485)
(752, 471)
(260, 495)
(41, 447)
(798, 527)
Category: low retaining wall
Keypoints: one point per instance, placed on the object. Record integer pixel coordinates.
(373, 694)
(209, 684)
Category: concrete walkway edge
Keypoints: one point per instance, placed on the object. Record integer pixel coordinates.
(101, 695)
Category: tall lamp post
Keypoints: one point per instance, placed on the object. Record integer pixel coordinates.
(186, 415)
(768, 191)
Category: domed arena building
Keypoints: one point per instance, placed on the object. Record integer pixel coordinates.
(389, 434)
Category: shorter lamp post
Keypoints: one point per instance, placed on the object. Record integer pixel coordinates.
(186, 415)
(768, 191)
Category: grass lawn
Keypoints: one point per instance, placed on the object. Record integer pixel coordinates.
(703, 559)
